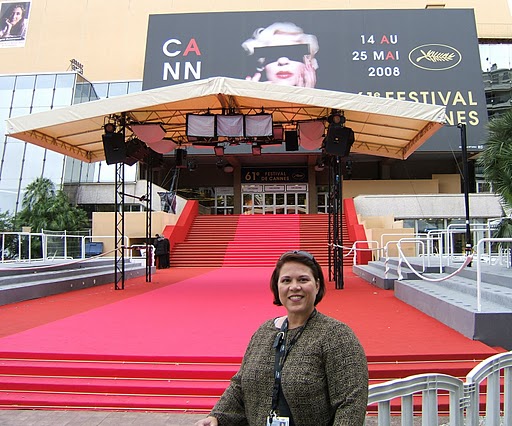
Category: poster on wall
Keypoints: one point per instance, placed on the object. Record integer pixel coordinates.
(417, 55)
(14, 18)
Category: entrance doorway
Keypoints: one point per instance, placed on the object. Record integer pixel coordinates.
(275, 199)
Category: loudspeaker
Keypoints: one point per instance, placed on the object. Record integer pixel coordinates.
(339, 140)
(114, 147)
(181, 158)
(291, 140)
(136, 150)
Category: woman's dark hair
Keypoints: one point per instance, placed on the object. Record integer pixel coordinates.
(306, 259)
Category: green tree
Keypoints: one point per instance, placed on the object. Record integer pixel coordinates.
(496, 157)
(496, 160)
(45, 208)
(9, 243)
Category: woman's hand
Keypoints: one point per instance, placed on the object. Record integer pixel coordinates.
(255, 77)
(209, 421)
(7, 29)
(309, 72)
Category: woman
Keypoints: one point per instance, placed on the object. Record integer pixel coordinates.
(15, 24)
(302, 369)
(294, 64)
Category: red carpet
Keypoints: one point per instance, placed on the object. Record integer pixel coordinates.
(173, 344)
(212, 314)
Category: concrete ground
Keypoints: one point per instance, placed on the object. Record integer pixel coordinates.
(115, 418)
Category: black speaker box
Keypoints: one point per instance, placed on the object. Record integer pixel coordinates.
(291, 140)
(114, 147)
(181, 158)
(136, 150)
(339, 140)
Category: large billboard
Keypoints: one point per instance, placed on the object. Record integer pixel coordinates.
(14, 17)
(419, 55)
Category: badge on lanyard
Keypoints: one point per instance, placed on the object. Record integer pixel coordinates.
(278, 421)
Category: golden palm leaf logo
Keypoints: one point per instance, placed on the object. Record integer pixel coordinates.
(435, 57)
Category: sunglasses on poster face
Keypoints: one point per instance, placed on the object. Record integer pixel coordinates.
(269, 54)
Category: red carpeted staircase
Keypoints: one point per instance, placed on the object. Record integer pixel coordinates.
(178, 385)
(253, 240)
(149, 382)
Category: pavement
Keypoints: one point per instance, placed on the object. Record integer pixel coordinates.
(94, 418)
(116, 418)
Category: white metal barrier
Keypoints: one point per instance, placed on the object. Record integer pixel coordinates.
(465, 397)
(479, 247)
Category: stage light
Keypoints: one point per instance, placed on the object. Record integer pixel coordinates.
(109, 128)
(228, 168)
(339, 138)
(219, 151)
(256, 150)
(336, 118)
(320, 165)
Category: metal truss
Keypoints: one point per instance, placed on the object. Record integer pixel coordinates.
(335, 204)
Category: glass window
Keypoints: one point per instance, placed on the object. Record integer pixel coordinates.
(117, 89)
(134, 86)
(23, 91)
(101, 89)
(18, 112)
(64, 90)
(54, 162)
(43, 95)
(6, 90)
(7, 82)
(495, 56)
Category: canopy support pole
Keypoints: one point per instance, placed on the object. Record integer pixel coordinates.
(119, 237)
(336, 221)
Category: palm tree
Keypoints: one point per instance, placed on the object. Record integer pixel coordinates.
(496, 160)
(45, 208)
(496, 157)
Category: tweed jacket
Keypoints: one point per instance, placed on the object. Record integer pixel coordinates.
(324, 378)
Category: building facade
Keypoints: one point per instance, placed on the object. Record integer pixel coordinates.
(69, 56)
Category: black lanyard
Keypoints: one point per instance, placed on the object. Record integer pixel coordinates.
(282, 352)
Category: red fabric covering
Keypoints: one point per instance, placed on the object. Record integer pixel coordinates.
(213, 313)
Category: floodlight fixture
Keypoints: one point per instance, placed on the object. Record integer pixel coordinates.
(228, 168)
(336, 118)
(219, 150)
(256, 150)
(109, 128)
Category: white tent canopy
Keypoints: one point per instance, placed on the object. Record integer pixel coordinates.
(382, 127)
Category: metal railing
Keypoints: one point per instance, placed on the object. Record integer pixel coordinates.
(488, 385)
(28, 247)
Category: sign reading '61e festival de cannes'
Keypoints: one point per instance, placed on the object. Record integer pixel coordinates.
(428, 56)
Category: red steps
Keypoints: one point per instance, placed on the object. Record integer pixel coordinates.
(253, 240)
(163, 385)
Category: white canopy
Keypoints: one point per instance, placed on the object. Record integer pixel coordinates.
(382, 127)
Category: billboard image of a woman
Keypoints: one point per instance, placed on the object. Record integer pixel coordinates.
(283, 54)
(13, 23)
